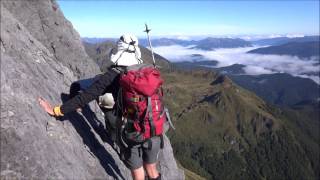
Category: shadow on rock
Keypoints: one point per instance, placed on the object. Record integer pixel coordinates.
(82, 124)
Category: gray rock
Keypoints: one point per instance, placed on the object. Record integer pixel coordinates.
(33, 144)
(167, 165)
(46, 23)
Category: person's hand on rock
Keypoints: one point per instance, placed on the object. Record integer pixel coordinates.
(46, 106)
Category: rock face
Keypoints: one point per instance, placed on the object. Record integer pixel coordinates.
(41, 55)
(46, 23)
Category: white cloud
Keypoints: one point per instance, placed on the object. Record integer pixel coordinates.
(247, 38)
(183, 37)
(255, 63)
(294, 35)
(176, 52)
(256, 70)
(274, 36)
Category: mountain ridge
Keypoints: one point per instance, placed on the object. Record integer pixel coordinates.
(299, 49)
(284, 40)
(212, 43)
(236, 126)
(280, 89)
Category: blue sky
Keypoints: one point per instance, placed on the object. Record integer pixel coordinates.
(192, 18)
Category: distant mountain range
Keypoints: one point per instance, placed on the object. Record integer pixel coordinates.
(212, 43)
(284, 40)
(300, 49)
(280, 88)
(211, 65)
(166, 42)
(204, 44)
(190, 65)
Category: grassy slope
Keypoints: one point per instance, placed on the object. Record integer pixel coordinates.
(226, 132)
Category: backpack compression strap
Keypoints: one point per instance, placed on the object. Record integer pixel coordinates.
(168, 118)
(149, 111)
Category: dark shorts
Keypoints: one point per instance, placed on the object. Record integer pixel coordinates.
(137, 155)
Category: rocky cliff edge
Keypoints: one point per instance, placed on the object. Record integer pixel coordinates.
(41, 55)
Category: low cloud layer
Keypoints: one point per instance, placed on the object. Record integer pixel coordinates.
(255, 63)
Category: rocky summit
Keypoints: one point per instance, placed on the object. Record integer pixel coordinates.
(41, 55)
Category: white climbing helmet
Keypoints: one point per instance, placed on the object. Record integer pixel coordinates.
(127, 52)
(106, 101)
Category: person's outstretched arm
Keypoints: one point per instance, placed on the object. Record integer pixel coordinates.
(93, 92)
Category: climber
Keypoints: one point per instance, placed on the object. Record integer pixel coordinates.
(136, 156)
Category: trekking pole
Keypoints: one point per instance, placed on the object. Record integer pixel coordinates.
(147, 31)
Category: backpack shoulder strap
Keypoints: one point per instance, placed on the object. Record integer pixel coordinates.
(118, 69)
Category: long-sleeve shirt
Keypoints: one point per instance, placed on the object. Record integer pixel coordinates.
(108, 82)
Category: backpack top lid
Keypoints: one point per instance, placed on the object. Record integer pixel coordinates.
(142, 78)
(127, 52)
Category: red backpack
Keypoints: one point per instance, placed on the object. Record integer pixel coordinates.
(142, 105)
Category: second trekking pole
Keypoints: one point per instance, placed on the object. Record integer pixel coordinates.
(147, 31)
